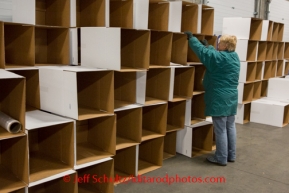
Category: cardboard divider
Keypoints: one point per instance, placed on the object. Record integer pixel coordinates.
(46, 159)
(258, 71)
(128, 128)
(275, 31)
(280, 32)
(95, 139)
(270, 31)
(189, 17)
(12, 100)
(180, 49)
(13, 164)
(269, 52)
(56, 185)
(91, 13)
(280, 64)
(17, 45)
(157, 85)
(255, 29)
(176, 116)
(198, 109)
(159, 15)
(207, 19)
(32, 87)
(267, 68)
(286, 50)
(51, 46)
(125, 164)
(96, 178)
(280, 54)
(170, 141)
(154, 121)
(274, 68)
(257, 90)
(252, 50)
(262, 46)
(150, 155)
(275, 51)
(121, 13)
(52, 12)
(160, 48)
(264, 88)
(202, 140)
(199, 76)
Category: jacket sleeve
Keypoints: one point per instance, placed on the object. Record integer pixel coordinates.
(207, 55)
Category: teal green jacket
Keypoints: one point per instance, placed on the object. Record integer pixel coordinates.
(221, 78)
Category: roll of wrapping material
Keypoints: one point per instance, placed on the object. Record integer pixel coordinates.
(10, 124)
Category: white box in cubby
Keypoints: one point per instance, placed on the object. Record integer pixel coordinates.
(270, 112)
(278, 88)
(247, 50)
(115, 48)
(243, 113)
(76, 92)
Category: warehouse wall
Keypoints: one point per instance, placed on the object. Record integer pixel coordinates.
(279, 13)
(6, 10)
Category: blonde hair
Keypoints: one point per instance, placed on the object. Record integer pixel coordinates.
(230, 42)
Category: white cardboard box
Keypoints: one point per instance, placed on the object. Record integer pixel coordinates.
(76, 92)
(247, 50)
(270, 112)
(73, 47)
(278, 88)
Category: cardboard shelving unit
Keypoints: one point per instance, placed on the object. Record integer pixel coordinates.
(264, 88)
(199, 76)
(128, 128)
(170, 141)
(248, 72)
(176, 116)
(157, 85)
(95, 139)
(32, 87)
(57, 185)
(125, 163)
(266, 70)
(51, 145)
(76, 92)
(197, 109)
(243, 113)
(181, 83)
(96, 178)
(99, 44)
(257, 90)
(274, 68)
(280, 67)
(154, 121)
(245, 92)
(12, 100)
(179, 49)
(262, 47)
(16, 45)
(51, 46)
(247, 50)
(150, 155)
(280, 54)
(13, 163)
(52, 13)
(160, 49)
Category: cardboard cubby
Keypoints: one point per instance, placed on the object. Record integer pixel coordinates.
(76, 92)
(92, 13)
(56, 185)
(243, 113)
(270, 30)
(266, 70)
(247, 72)
(274, 68)
(32, 87)
(125, 164)
(176, 116)
(199, 76)
(150, 155)
(99, 44)
(286, 68)
(179, 49)
(269, 51)
(129, 14)
(286, 51)
(275, 31)
(96, 178)
(159, 15)
(189, 17)
(275, 51)
(157, 85)
(13, 163)
(154, 121)
(16, 45)
(128, 127)
(205, 20)
(12, 100)
(170, 141)
(181, 82)
(262, 46)
(198, 109)
(280, 67)
(52, 13)
(257, 90)
(264, 88)
(280, 54)
(160, 49)
(51, 145)
(259, 66)
(95, 139)
(51, 46)
(280, 32)
(245, 92)
(247, 50)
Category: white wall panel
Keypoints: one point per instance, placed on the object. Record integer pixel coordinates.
(279, 13)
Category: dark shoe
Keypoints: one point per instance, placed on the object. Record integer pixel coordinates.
(213, 160)
(231, 160)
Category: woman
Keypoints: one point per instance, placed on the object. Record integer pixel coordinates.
(221, 94)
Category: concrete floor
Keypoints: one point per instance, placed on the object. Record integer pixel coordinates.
(262, 165)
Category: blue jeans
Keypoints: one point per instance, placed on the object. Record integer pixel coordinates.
(225, 136)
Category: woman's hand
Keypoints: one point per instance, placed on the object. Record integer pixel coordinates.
(189, 34)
